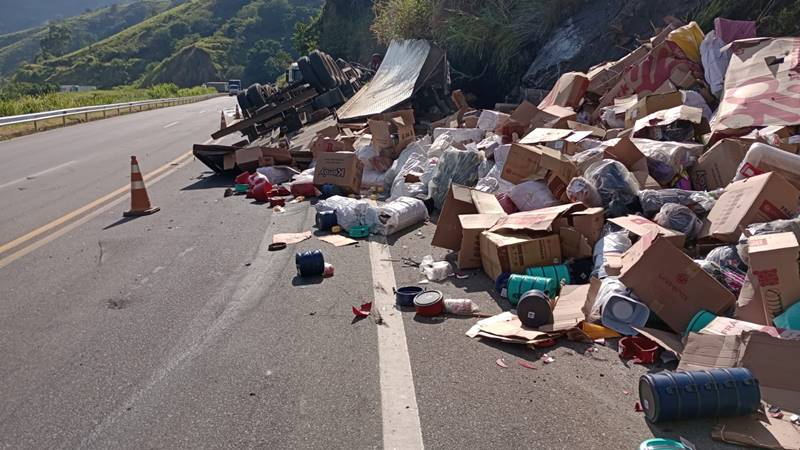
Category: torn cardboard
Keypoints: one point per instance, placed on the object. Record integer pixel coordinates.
(529, 162)
(392, 130)
(567, 313)
(461, 200)
(472, 225)
(758, 430)
(716, 168)
(566, 141)
(641, 226)
(651, 104)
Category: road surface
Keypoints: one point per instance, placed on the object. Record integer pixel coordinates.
(181, 330)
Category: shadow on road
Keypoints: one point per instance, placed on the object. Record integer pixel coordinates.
(210, 180)
(121, 221)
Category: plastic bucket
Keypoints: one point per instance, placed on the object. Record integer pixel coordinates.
(711, 393)
(535, 309)
(404, 296)
(661, 444)
(501, 284)
(429, 303)
(240, 188)
(699, 321)
(790, 319)
(325, 220)
(310, 263)
(558, 272)
(621, 313)
(520, 284)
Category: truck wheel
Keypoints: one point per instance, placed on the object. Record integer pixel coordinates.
(255, 97)
(321, 70)
(241, 97)
(338, 74)
(308, 74)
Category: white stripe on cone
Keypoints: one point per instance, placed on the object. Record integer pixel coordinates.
(137, 184)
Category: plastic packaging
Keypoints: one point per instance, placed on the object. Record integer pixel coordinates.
(617, 187)
(435, 270)
(694, 99)
(610, 244)
(715, 62)
(400, 214)
(727, 257)
(530, 195)
(278, 174)
(492, 182)
(350, 212)
(585, 159)
(688, 38)
(580, 190)
(679, 218)
(460, 306)
(455, 166)
(441, 144)
(762, 158)
(700, 202)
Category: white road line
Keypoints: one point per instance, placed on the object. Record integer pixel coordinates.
(201, 112)
(401, 427)
(171, 124)
(34, 175)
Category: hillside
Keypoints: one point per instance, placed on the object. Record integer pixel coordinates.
(188, 44)
(83, 30)
(18, 15)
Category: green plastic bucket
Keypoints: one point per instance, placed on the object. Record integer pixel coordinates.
(520, 284)
(558, 272)
(240, 188)
(790, 319)
(699, 321)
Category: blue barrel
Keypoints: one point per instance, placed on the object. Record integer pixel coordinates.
(310, 263)
(520, 284)
(325, 220)
(558, 272)
(501, 283)
(668, 396)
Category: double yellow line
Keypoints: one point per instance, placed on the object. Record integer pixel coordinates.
(58, 227)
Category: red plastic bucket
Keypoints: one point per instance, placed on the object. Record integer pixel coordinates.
(429, 303)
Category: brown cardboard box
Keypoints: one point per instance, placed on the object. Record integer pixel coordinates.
(774, 262)
(651, 104)
(588, 222)
(598, 133)
(625, 151)
(574, 244)
(392, 130)
(651, 126)
(775, 365)
(640, 226)
(564, 140)
(229, 161)
(539, 220)
(750, 306)
(716, 167)
(526, 162)
(342, 169)
(515, 251)
(568, 91)
(762, 198)
(553, 117)
(472, 225)
(524, 114)
(280, 155)
(461, 200)
(247, 158)
(670, 283)
(322, 144)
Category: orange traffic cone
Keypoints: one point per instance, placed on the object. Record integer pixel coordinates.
(238, 115)
(222, 124)
(140, 202)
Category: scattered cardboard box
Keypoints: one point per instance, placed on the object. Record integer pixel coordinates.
(526, 162)
(342, 169)
(650, 104)
(703, 352)
(596, 132)
(392, 130)
(762, 198)
(651, 126)
(775, 365)
(588, 222)
(750, 306)
(553, 117)
(247, 158)
(472, 225)
(461, 200)
(716, 168)
(670, 283)
(568, 91)
(774, 262)
(567, 313)
(759, 430)
(515, 251)
(460, 135)
(641, 226)
(523, 114)
(566, 141)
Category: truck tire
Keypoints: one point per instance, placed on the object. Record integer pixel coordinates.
(338, 74)
(308, 74)
(255, 97)
(321, 70)
(241, 97)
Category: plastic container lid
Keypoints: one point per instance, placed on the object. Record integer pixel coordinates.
(661, 444)
(428, 298)
(699, 321)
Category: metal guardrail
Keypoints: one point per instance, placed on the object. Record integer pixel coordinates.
(86, 110)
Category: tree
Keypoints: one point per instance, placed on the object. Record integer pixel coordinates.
(56, 42)
(266, 61)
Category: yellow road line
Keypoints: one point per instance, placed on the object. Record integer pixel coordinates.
(156, 175)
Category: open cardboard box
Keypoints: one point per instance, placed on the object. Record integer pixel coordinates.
(461, 200)
(532, 162)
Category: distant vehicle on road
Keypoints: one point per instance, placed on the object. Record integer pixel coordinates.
(220, 86)
(234, 86)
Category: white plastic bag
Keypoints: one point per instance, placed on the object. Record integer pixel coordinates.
(350, 212)
(400, 214)
(580, 190)
(611, 244)
(278, 174)
(435, 270)
(530, 195)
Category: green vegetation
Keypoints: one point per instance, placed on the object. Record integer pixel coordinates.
(197, 41)
(74, 33)
(342, 29)
(19, 15)
(774, 17)
(20, 99)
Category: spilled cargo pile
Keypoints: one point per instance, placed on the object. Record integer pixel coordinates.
(653, 199)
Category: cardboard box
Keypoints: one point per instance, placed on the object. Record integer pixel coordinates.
(342, 169)
(564, 140)
(568, 91)
(280, 155)
(588, 222)
(774, 262)
(523, 114)
(651, 104)
(472, 225)
(670, 283)
(461, 200)
(533, 162)
(229, 161)
(652, 125)
(716, 167)
(392, 130)
(597, 132)
(322, 144)
(750, 306)
(641, 226)
(247, 158)
(461, 135)
(762, 198)
(553, 117)
(515, 251)
(625, 151)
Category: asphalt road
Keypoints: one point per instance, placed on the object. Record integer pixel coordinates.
(181, 330)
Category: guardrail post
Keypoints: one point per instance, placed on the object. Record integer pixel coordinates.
(64, 119)
(35, 127)
(86, 116)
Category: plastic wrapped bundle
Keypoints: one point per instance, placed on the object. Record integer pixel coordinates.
(530, 195)
(698, 201)
(350, 212)
(679, 218)
(731, 279)
(586, 158)
(727, 257)
(617, 187)
(580, 190)
(400, 214)
(455, 166)
(612, 243)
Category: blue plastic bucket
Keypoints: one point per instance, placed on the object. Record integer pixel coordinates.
(558, 272)
(501, 284)
(404, 296)
(790, 319)
(520, 284)
(325, 220)
(310, 263)
(668, 396)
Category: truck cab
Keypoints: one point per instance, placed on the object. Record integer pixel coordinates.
(234, 86)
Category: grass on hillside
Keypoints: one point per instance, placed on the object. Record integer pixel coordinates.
(28, 104)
